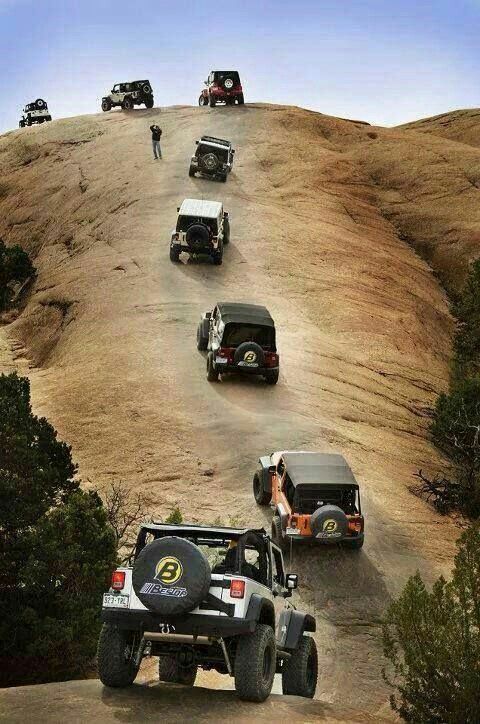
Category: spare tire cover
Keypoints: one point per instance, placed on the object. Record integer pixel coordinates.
(249, 354)
(197, 236)
(209, 161)
(329, 523)
(171, 576)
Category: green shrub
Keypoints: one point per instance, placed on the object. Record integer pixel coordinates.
(432, 641)
(466, 309)
(175, 516)
(56, 549)
(15, 267)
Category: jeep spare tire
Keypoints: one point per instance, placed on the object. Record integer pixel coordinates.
(146, 89)
(329, 523)
(197, 237)
(249, 354)
(40, 103)
(171, 576)
(228, 83)
(209, 162)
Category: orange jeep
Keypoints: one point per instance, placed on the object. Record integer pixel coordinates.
(313, 495)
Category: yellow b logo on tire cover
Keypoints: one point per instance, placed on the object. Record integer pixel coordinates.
(168, 570)
(329, 526)
(250, 356)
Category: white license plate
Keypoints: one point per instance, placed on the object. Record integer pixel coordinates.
(248, 364)
(329, 535)
(221, 360)
(293, 531)
(111, 600)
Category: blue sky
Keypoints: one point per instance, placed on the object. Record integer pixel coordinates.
(381, 61)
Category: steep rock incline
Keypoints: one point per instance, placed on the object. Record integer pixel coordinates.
(108, 335)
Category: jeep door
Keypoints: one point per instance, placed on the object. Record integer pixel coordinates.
(116, 96)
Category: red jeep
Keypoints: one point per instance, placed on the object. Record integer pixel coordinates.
(223, 86)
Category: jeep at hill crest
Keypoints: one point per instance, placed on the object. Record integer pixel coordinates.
(128, 95)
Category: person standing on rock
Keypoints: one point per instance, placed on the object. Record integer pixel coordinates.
(156, 133)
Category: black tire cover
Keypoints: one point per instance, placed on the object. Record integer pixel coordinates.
(40, 103)
(147, 89)
(209, 162)
(329, 523)
(171, 576)
(249, 354)
(197, 236)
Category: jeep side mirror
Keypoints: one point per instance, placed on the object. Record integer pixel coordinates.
(271, 469)
(225, 214)
(178, 209)
(291, 581)
(208, 315)
(233, 151)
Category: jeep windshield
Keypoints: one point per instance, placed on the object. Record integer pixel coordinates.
(221, 153)
(235, 334)
(219, 75)
(184, 222)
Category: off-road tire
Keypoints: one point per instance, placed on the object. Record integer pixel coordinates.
(277, 536)
(106, 106)
(115, 665)
(174, 253)
(240, 100)
(191, 171)
(149, 103)
(21, 124)
(255, 664)
(354, 544)
(203, 101)
(40, 103)
(226, 231)
(202, 342)
(170, 671)
(213, 102)
(212, 373)
(29, 122)
(127, 104)
(223, 177)
(271, 377)
(300, 671)
(262, 497)
(217, 257)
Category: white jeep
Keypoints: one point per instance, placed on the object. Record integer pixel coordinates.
(36, 112)
(203, 227)
(128, 95)
(206, 597)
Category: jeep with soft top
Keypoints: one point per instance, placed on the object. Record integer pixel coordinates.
(203, 227)
(213, 157)
(128, 95)
(35, 112)
(222, 86)
(239, 337)
(315, 497)
(208, 597)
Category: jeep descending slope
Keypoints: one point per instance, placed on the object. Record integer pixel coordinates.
(36, 112)
(239, 338)
(213, 157)
(203, 227)
(314, 497)
(223, 86)
(207, 597)
(128, 95)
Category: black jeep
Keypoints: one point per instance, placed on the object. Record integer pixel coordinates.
(239, 338)
(213, 157)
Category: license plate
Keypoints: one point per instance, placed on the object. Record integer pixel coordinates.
(293, 531)
(221, 360)
(329, 535)
(247, 364)
(115, 601)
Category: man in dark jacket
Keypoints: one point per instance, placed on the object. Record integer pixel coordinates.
(156, 133)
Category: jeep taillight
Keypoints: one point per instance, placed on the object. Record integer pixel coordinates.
(355, 525)
(118, 580)
(237, 588)
(226, 352)
(271, 359)
(174, 237)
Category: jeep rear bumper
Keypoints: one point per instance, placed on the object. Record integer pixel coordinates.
(192, 624)
(245, 370)
(324, 541)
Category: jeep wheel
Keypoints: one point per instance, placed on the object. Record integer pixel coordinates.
(21, 124)
(217, 257)
(271, 377)
(262, 497)
(106, 105)
(277, 533)
(170, 670)
(174, 253)
(202, 342)
(212, 102)
(127, 103)
(354, 543)
(226, 231)
(212, 372)
(149, 103)
(255, 664)
(191, 171)
(240, 100)
(115, 656)
(300, 671)
(223, 177)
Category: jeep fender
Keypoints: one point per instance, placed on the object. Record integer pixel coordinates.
(292, 626)
(261, 610)
(263, 470)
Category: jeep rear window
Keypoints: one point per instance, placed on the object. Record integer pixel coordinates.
(234, 334)
(221, 153)
(183, 222)
(233, 74)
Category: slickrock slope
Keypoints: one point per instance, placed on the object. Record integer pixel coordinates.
(107, 335)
